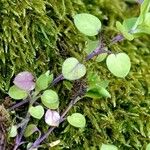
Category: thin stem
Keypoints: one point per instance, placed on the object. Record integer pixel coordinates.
(58, 79)
(55, 81)
(62, 118)
(116, 39)
(19, 137)
(18, 104)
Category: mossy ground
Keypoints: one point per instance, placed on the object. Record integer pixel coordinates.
(39, 35)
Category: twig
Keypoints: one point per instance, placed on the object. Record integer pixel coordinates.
(27, 118)
(55, 81)
(62, 118)
(18, 104)
(19, 137)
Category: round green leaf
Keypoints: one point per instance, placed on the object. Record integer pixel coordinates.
(43, 81)
(50, 99)
(129, 23)
(37, 111)
(87, 24)
(31, 128)
(108, 147)
(16, 93)
(72, 69)
(148, 147)
(77, 120)
(119, 64)
(13, 131)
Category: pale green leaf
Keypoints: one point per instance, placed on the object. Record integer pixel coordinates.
(13, 131)
(77, 120)
(124, 31)
(43, 81)
(50, 99)
(37, 111)
(30, 129)
(29, 145)
(119, 64)
(72, 69)
(87, 24)
(148, 147)
(108, 147)
(16, 93)
(91, 46)
(129, 23)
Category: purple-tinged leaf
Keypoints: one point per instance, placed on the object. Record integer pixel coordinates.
(25, 80)
(52, 118)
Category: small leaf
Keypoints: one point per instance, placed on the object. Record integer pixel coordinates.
(31, 128)
(104, 92)
(144, 9)
(91, 46)
(119, 64)
(101, 57)
(29, 145)
(72, 69)
(44, 80)
(68, 85)
(129, 23)
(37, 111)
(13, 131)
(148, 147)
(52, 118)
(24, 81)
(50, 99)
(52, 144)
(77, 120)
(87, 24)
(108, 147)
(97, 92)
(16, 93)
(124, 31)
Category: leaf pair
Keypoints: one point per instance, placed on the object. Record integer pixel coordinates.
(136, 26)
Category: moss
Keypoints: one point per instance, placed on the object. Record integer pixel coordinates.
(38, 36)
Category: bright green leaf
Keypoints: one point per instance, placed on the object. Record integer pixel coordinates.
(13, 131)
(148, 147)
(77, 120)
(104, 92)
(44, 80)
(119, 64)
(124, 31)
(72, 69)
(92, 45)
(29, 145)
(16, 93)
(87, 24)
(101, 57)
(129, 23)
(50, 99)
(37, 111)
(97, 92)
(30, 129)
(147, 19)
(145, 6)
(108, 147)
